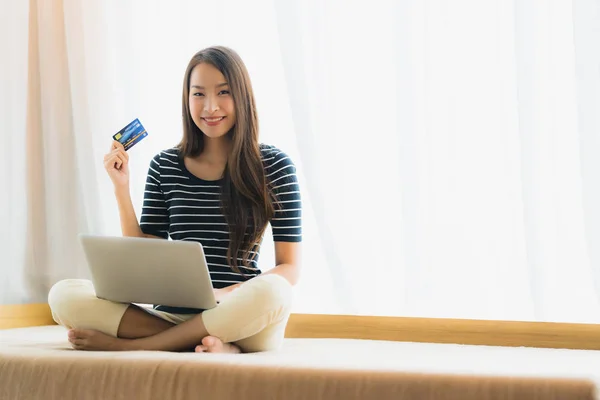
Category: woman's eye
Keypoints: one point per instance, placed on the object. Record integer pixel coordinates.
(224, 92)
(198, 94)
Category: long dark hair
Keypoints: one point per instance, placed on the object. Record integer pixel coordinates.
(246, 199)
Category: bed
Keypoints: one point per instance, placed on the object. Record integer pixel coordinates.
(323, 357)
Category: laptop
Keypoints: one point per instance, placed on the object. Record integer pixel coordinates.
(149, 271)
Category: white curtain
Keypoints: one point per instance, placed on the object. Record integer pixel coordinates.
(447, 151)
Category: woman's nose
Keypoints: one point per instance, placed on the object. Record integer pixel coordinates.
(211, 105)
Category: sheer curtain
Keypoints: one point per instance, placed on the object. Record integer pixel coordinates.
(452, 153)
(447, 151)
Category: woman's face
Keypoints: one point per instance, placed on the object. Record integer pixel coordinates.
(211, 104)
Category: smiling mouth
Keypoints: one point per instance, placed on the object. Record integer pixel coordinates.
(213, 120)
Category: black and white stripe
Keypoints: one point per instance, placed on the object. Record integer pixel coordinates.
(181, 206)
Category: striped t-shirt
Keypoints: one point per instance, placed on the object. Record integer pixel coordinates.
(179, 205)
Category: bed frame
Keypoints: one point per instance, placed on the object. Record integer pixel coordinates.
(430, 330)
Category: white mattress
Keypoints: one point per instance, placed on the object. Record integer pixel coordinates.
(336, 355)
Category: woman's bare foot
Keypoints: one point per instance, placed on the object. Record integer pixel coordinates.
(211, 344)
(89, 339)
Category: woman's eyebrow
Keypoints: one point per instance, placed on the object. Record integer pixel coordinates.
(219, 85)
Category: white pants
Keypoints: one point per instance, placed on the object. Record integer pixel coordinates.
(253, 316)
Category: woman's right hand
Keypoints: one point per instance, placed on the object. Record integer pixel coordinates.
(116, 163)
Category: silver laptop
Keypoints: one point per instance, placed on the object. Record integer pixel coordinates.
(149, 271)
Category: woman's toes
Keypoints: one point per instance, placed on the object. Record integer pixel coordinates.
(76, 343)
(210, 341)
(213, 344)
(81, 333)
(200, 349)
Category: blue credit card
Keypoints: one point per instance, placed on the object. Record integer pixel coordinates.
(131, 134)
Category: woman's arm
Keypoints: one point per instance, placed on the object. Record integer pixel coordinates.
(116, 163)
(129, 221)
(287, 263)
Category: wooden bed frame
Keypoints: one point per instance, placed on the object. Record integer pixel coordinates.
(430, 330)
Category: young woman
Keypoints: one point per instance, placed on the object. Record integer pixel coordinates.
(220, 187)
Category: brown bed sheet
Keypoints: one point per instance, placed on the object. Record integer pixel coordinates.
(37, 363)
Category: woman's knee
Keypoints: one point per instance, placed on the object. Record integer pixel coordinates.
(274, 290)
(74, 304)
(70, 295)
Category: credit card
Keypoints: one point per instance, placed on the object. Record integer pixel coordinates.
(131, 134)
